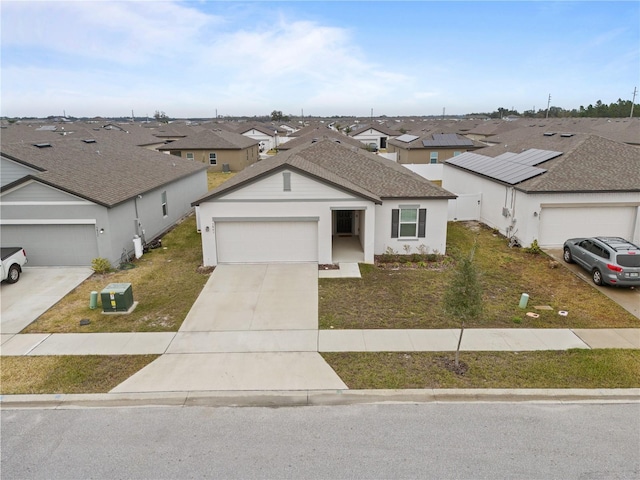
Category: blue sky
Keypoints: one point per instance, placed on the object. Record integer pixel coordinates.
(193, 58)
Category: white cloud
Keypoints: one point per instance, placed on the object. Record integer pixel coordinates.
(120, 32)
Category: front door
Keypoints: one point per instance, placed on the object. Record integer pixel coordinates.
(344, 222)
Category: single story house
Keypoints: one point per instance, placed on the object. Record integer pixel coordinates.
(267, 136)
(377, 134)
(69, 199)
(299, 205)
(553, 186)
(220, 150)
(431, 148)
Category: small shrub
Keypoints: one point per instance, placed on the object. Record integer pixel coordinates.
(101, 265)
(422, 249)
(534, 248)
(390, 251)
(517, 320)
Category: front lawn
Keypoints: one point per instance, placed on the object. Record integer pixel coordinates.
(549, 369)
(165, 283)
(67, 374)
(404, 297)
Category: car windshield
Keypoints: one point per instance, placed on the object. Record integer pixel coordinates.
(626, 260)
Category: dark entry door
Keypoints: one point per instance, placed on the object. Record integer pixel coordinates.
(344, 221)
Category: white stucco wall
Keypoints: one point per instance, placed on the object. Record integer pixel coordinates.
(308, 198)
(524, 210)
(436, 227)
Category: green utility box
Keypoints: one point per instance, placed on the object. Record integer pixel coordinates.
(117, 297)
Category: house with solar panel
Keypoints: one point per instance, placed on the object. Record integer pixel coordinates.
(432, 148)
(549, 187)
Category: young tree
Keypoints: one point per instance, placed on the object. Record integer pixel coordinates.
(463, 295)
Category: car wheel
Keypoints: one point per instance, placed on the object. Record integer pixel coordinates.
(14, 274)
(597, 277)
(566, 256)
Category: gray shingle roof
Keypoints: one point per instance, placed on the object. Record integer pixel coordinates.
(106, 172)
(348, 168)
(318, 134)
(210, 139)
(589, 163)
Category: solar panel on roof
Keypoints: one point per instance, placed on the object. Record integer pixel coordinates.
(499, 169)
(533, 156)
(447, 140)
(407, 138)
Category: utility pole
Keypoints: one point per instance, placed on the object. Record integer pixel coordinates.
(633, 102)
(443, 110)
(548, 104)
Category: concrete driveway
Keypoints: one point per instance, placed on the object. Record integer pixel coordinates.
(627, 298)
(38, 289)
(253, 327)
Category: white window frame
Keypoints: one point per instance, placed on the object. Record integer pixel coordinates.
(433, 157)
(213, 158)
(190, 156)
(401, 222)
(165, 209)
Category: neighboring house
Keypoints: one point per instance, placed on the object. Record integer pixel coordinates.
(378, 135)
(267, 136)
(219, 150)
(299, 205)
(430, 148)
(318, 134)
(553, 186)
(70, 199)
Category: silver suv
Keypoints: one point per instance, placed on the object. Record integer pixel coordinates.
(610, 260)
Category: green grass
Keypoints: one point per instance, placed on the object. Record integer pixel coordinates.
(562, 369)
(412, 297)
(67, 374)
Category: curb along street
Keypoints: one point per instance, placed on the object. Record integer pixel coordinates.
(318, 398)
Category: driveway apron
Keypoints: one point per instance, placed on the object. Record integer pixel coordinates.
(253, 327)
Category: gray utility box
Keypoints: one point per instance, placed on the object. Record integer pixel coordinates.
(117, 297)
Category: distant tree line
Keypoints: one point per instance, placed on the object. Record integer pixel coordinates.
(619, 109)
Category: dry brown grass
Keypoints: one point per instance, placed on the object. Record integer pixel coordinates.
(412, 298)
(563, 369)
(215, 179)
(165, 282)
(67, 374)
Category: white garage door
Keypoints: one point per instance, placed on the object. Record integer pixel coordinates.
(560, 223)
(267, 242)
(53, 245)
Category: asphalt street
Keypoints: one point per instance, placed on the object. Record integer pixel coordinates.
(439, 441)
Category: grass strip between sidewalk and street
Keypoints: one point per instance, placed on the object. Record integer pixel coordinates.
(576, 368)
(67, 373)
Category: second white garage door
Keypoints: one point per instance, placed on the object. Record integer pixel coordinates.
(267, 241)
(561, 223)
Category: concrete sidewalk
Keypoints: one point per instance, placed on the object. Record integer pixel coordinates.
(281, 341)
